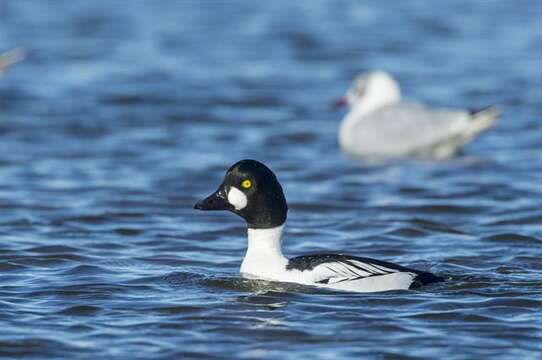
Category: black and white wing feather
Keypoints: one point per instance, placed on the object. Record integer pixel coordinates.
(337, 268)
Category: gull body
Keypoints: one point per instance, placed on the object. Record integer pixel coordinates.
(380, 124)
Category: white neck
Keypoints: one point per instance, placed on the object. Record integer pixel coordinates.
(264, 257)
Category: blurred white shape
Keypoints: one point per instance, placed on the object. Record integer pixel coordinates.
(11, 57)
(380, 124)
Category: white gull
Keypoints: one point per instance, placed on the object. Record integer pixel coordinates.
(380, 124)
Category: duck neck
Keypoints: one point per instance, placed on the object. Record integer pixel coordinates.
(264, 256)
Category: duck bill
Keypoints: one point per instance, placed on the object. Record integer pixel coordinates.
(340, 103)
(215, 201)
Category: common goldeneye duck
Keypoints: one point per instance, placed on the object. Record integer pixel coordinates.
(381, 124)
(251, 190)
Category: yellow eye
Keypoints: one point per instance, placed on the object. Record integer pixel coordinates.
(246, 184)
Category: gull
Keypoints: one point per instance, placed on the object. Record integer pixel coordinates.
(380, 124)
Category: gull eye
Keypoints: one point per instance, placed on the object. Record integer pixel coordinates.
(246, 184)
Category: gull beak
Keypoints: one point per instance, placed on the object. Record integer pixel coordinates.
(340, 103)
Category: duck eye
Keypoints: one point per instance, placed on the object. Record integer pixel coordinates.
(246, 184)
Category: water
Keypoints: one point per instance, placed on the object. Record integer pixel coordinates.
(124, 115)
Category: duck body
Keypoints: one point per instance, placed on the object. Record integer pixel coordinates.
(380, 124)
(252, 191)
(264, 260)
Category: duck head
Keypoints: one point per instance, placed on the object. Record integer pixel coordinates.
(251, 190)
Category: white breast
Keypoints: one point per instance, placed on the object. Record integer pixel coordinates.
(264, 257)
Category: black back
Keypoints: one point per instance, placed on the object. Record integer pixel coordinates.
(309, 262)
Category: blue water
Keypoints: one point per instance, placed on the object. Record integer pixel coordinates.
(124, 114)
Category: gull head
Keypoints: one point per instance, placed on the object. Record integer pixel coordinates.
(371, 89)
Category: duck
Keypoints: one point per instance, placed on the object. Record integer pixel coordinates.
(252, 191)
(379, 124)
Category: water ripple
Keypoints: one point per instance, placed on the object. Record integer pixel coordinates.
(122, 117)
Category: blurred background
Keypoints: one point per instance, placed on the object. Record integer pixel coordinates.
(123, 114)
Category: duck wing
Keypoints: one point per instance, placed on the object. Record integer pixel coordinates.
(336, 268)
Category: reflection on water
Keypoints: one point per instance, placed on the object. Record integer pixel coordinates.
(121, 117)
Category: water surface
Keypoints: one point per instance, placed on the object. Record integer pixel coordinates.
(125, 114)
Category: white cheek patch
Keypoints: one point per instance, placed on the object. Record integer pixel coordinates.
(237, 198)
